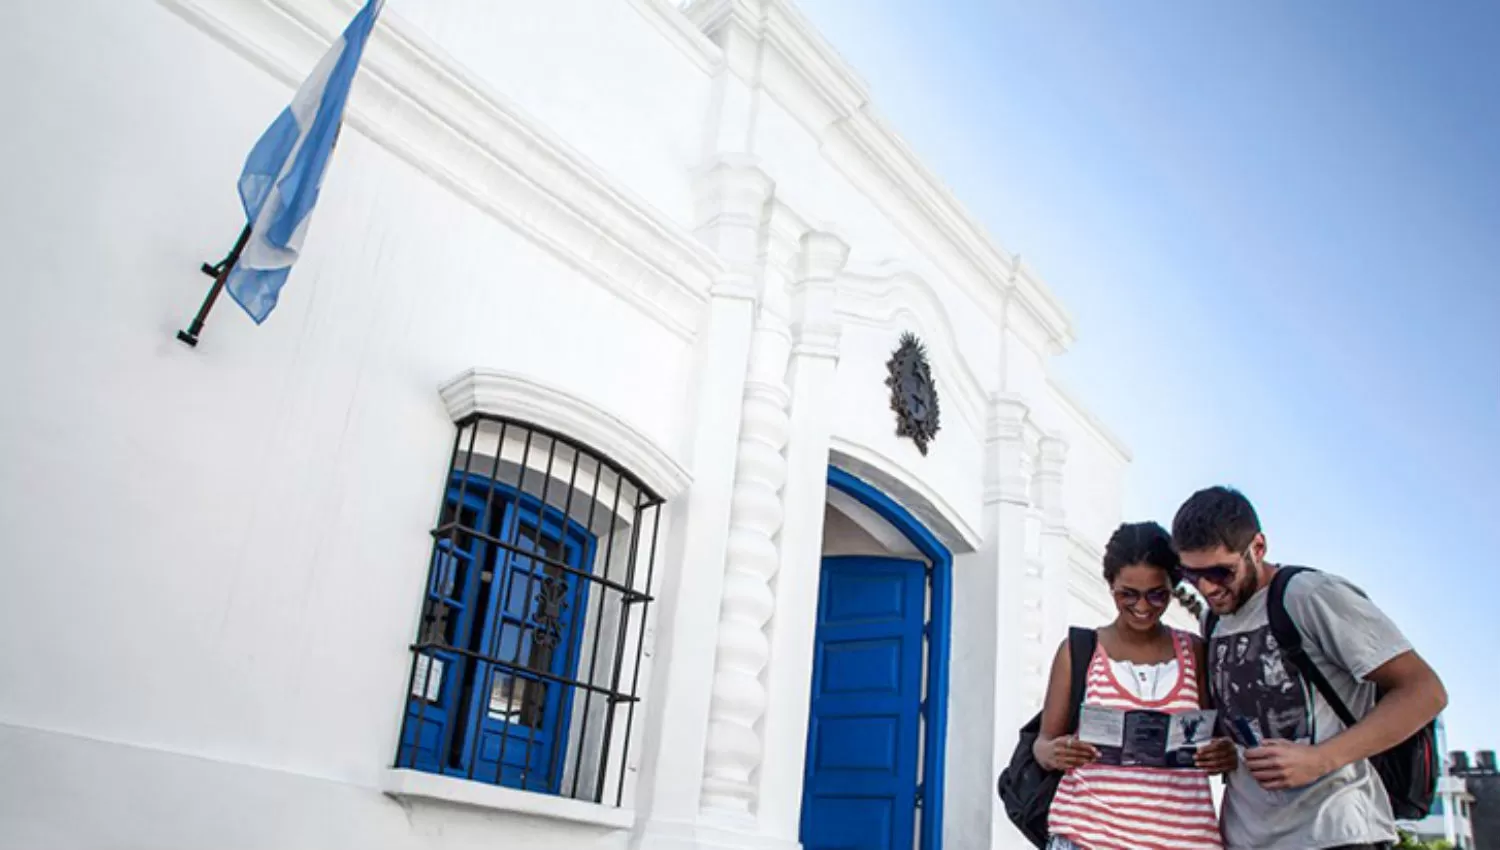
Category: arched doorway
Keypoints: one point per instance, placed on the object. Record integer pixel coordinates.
(873, 775)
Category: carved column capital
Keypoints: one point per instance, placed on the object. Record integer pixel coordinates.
(816, 330)
(1052, 457)
(824, 255)
(731, 194)
(1006, 478)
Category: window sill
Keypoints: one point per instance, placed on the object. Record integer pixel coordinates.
(417, 785)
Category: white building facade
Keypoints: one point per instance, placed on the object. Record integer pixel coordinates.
(560, 503)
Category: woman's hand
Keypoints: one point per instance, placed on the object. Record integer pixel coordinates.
(1217, 756)
(1064, 752)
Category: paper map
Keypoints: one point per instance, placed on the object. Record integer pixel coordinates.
(1144, 738)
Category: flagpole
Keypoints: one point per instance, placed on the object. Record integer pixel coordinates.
(219, 273)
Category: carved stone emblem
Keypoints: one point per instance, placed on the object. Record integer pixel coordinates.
(914, 395)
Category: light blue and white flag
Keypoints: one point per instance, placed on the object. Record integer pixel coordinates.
(283, 173)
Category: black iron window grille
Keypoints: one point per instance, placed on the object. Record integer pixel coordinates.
(527, 662)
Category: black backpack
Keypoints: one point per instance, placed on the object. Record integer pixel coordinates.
(1408, 770)
(1026, 788)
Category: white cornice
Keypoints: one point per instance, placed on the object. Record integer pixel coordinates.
(514, 396)
(842, 115)
(679, 30)
(419, 103)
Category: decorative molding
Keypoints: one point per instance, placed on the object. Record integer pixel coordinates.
(498, 393)
(732, 196)
(925, 502)
(418, 785)
(735, 748)
(816, 331)
(416, 101)
(1085, 550)
(1052, 456)
(681, 32)
(1005, 437)
(821, 90)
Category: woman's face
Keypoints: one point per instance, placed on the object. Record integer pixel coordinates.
(1141, 595)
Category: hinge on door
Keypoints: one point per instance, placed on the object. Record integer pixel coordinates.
(920, 794)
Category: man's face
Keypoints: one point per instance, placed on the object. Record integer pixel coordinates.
(1226, 579)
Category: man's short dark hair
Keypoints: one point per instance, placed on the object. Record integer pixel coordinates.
(1140, 543)
(1217, 516)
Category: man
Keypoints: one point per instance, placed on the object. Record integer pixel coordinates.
(1308, 784)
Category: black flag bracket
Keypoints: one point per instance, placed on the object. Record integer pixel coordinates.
(219, 273)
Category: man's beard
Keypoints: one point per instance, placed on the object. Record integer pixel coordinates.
(1252, 586)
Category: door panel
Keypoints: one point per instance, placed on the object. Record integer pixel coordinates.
(514, 603)
(861, 775)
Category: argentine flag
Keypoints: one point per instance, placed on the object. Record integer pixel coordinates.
(279, 185)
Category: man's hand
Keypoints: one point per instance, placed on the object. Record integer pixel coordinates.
(1064, 753)
(1217, 756)
(1280, 765)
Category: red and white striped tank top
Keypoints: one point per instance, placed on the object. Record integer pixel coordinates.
(1099, 807)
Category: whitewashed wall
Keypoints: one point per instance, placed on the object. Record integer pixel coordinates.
(214, 556)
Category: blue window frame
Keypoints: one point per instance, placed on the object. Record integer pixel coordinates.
(528, 655)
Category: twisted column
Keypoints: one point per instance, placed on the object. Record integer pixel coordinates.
(752, 558)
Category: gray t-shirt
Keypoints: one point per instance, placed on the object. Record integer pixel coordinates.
(1347, 637)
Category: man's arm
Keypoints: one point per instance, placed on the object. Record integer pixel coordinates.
(1412, 694)
(1357, 636)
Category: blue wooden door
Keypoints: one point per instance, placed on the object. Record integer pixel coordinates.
(860, 787)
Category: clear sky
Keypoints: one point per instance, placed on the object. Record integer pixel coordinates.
(1277, 225)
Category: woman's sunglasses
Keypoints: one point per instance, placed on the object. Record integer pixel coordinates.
(1156, 597)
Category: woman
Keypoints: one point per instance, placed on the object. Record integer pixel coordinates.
(1138, 663)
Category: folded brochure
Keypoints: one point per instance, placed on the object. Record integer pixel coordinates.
(1145, 738)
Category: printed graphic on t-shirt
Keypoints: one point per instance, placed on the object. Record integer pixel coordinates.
(1251, 681)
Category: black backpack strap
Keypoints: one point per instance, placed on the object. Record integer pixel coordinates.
(1210, 622)
(1290, 638)
(1081, 643)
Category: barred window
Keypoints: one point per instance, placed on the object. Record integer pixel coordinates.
(527, 661)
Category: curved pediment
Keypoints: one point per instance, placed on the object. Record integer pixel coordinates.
(515, 396)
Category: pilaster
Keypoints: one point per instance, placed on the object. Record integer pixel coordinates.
(735, 746)
(821, 257)
(1052, 458)
(988, 589)
(738, 28)
(732, 198)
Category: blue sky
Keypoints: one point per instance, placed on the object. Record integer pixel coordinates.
(1277, 225)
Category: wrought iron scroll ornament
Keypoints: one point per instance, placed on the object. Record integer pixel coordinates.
(551, 602)
(914, 395)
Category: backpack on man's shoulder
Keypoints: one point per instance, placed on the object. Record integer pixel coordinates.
(1026, 788)
(1408, 770)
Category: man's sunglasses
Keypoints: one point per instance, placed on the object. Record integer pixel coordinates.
(1219, 575)
(1157, 597)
